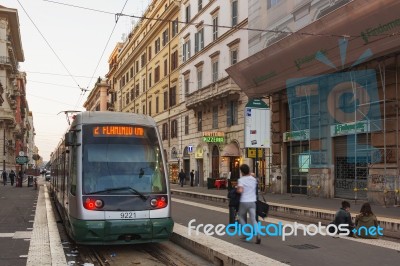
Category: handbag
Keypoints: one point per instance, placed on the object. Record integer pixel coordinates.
(262, 207)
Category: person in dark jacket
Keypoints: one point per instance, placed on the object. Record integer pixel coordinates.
(191, 178)
(234, 201)
(366, 219)
(182, 177)
(4, 175)
(12, 176)
(343, 216)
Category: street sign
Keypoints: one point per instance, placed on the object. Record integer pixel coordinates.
(257, 131)
(190, 148)
(21, 159)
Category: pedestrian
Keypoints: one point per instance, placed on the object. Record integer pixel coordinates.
(191, 178)
(20, 177)
(247, 186)
(4, 175)
(182, 177)
(234, 201)
(343, 217)
(12, 176)
(366, 219)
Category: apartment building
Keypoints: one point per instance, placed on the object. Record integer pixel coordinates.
(330, 69)
(98, 99)
(14, 112)
(212, 125)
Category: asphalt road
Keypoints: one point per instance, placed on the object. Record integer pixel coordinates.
(295, 250)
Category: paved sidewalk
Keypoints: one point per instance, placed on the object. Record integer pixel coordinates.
(302, 201)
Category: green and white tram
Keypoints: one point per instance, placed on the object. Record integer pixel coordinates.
(110, 181)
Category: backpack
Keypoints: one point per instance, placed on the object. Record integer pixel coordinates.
(234, 198)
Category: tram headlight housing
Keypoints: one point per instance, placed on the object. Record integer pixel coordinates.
(159, 202)
(92, 204)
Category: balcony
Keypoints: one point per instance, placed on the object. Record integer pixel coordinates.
(223, 89)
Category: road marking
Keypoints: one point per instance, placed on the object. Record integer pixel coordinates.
(374, 242)
(6, 234)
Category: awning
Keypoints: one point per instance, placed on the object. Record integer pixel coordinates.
(230, 150)
(372, 25)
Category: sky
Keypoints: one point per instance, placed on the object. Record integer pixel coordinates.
(78, 37)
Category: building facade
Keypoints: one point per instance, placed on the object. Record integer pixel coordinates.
(334, 90)
(15, 129)
(98, 99)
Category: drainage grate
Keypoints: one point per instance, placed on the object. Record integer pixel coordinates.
(304, 246)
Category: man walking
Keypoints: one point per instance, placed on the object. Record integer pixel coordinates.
(12, 176)
(191, 178)
(182, 177)
(4, 175)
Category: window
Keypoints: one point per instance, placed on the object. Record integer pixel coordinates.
(215, 28)
(144, 109)
(144, 85)
(174, 27)
(232, 113)
(157, 74)
(200, 4)
(131, 70)
(165, 37)
(157, 105)
(199, 40)
(172, 96)
(271, 3)
(174, 128)
(149, 53)
(137, 66)
(150, 79)
(234, 13)
(126, 98)
(165, 131)
(199, 121)
(157, 46)
(137, 89)
(199, 78)
(174, 60)
(187, 125)
(215, 117)
(143, 59)
(186, 85)
(132, 94)
(186, 51)
(215, 71)
(187, 13)
(165, 100)
(234, 56)
(149, 109)
(165, 67)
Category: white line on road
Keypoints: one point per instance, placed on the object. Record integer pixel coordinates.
(374, 242)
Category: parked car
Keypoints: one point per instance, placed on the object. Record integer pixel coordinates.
(47, 177)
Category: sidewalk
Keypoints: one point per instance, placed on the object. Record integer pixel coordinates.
(301, 207)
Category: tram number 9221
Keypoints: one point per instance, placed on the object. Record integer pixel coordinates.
(128, 215)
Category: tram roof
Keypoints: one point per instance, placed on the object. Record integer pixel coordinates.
(97, 117)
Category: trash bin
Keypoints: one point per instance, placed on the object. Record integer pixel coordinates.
(30, 181)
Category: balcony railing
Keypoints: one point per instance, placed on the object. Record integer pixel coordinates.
(222, 89)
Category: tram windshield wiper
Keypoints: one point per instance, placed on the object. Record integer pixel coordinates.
(120, 188)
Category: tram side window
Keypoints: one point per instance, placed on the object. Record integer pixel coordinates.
(73, 173)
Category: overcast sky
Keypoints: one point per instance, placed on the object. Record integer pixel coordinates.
(78, 37)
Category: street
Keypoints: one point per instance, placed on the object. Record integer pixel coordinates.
(295, 250)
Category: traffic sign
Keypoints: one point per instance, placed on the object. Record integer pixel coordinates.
(21, 159)
(21, 153)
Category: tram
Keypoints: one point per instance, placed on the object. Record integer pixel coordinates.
(109, 180)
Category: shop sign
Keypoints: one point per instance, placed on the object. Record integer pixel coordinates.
(210, 136)
(251, 153)
(350, 128)
(296, 135)
(198, 154)
(21, 159)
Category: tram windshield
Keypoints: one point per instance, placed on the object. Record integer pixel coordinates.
(112, 162)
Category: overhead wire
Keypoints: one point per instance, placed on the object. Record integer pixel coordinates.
(218, 26)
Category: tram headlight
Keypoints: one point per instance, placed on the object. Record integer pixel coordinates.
(92, 204)
(159, 202)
